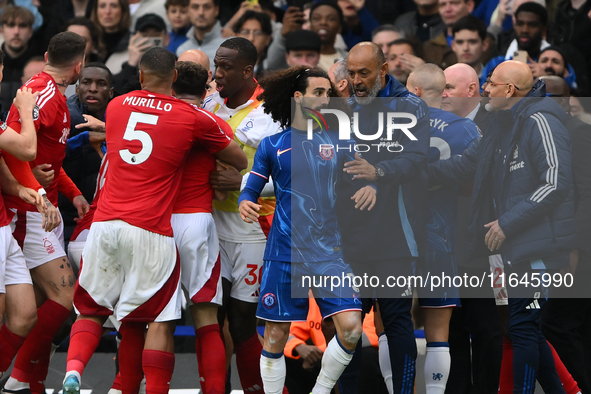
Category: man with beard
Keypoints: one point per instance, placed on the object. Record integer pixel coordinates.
(388, 239)
(242, 245)
(206, 32)
(17, 30)
(531, 20)
(86, 142)
(402, 58)
(307, 171)
(522, 194)
(553, 62)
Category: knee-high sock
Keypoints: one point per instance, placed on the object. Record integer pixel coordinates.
(506, 379)
(211, 358)
(384, 358)
(334, 361)
(437, 365)
(130, 356)
(248, 355)
(50, 317)
(158, 368)
(273, 372)
(568, 382)
(10, 343)
(84, 338)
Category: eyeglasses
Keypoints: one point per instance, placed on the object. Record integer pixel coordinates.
(501, 84)
(256, 33)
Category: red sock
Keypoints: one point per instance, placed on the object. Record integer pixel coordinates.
(50, 317)
(117, 382)
(84, 338)
(10, 343)
(568, 383)
(248, 356)
(158, 368)
(130, 356)
(506, 381)
(38, 375)
(212, 370)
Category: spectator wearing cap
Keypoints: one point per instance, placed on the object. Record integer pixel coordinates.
(150, 31)
(302, 48)
(553, 61)
(206, 32)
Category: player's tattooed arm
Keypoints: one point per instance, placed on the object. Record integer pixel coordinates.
(51, 218)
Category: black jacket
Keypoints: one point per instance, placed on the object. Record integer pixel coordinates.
(526, 150)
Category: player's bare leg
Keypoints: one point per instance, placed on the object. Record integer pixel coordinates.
(438, 361)
(272, 362)
(56, 281)
(211, 356)
(18, 307)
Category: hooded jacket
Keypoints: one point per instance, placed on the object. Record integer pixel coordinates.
(522, 176)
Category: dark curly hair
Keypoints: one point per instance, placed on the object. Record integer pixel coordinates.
(280, 87)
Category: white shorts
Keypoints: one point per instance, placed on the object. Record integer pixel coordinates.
(75, 249)
(39, 246)
(129, 272)
(242, 264)
(199, 249)
(13, 268)
(497, 269)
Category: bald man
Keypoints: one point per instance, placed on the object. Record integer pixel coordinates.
(522, 168)
(199, 57)
(462, 92)
(395, 229)
(450, 135)
(563, 318)
(338, 77)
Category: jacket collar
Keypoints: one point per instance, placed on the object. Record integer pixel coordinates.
(215, 32)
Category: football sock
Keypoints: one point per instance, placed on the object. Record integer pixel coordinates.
(248, 355)
(437, 364)
(130, 356)
(273, 371)
(506, 379)
(10, 343)
(50, 317)
(384, 359)
(158, 368)
(211, 358)
(84, 338)
(334, 361)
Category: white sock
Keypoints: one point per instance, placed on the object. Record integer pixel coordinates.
(273, 372)
(334, 361)
(437, 364)
(13, 384)
(384, 358)
(73, 373)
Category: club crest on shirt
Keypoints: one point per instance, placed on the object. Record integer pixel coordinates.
(36, 112)
(326, 151)
(269, 300)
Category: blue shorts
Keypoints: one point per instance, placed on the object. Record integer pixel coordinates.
(277, 304)
(440, 264)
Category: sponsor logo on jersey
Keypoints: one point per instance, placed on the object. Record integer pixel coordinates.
(65, 118)
(269, 300)
(65, 134)
(326, 151)
(3, 126)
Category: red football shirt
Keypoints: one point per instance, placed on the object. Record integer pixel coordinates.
(148, 138)
(86, 221)
(52, 122)
(196, 193)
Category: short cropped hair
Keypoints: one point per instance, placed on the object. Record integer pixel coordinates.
(159, 61)
(246, 49)
(192, 79)
(65, 48)
(471, 23)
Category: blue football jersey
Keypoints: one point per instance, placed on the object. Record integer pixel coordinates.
(307, 175)
(450, 135)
